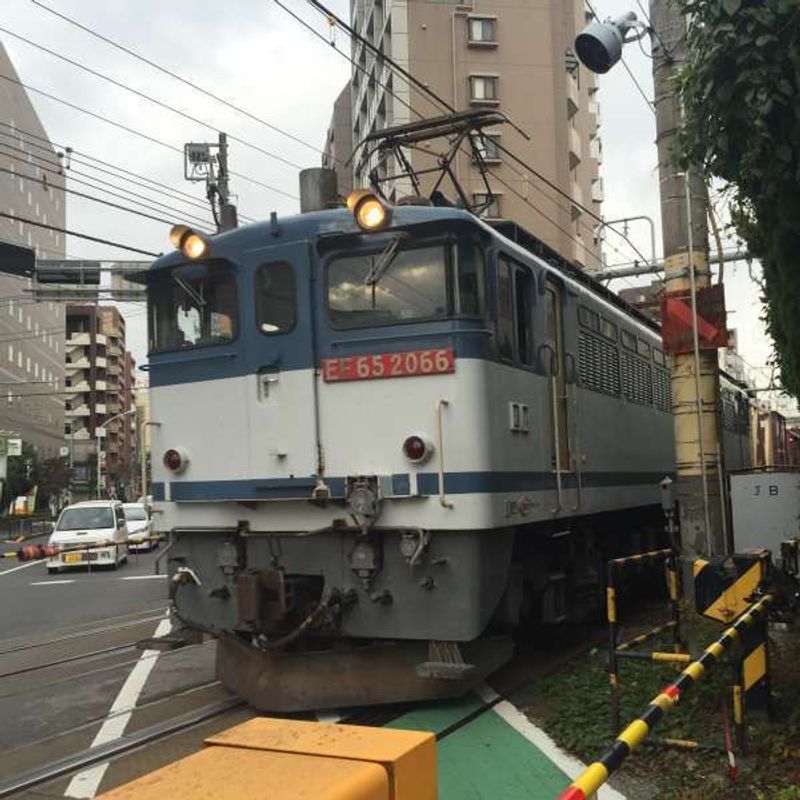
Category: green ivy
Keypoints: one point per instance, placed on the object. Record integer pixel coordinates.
(739, 87)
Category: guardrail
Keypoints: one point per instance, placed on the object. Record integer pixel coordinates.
(597, 773)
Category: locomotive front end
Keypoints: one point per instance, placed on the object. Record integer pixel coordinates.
(319, 395)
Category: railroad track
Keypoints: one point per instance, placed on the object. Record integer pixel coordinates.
(139, 745)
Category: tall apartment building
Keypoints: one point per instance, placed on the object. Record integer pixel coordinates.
(31, 334)
(99, 379)
(517, 58)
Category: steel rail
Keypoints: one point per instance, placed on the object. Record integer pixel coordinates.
(118, 747)
(92, 654)
(89, 632)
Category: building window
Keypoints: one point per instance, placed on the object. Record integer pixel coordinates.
(483, 89)
(11, 353)
(488, 145)
(482, 30)
(487, 206)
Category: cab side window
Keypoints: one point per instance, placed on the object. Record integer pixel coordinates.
(276, 298)
(514, 311)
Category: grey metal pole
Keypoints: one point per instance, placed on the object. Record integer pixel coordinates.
(143, 456)
(99, 450)
(695, 376)
(227, 211)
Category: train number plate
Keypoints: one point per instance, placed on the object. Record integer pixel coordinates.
(389, 365)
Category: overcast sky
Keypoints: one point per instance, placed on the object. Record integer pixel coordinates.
(256, 56)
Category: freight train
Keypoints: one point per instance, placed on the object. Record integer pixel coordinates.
(384, 437)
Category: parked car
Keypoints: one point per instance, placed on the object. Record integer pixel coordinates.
(93, 532)
(139, 532)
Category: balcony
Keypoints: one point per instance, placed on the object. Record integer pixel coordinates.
(596, 149)
(594, 108)
(100, 362)
(573, 97)
(575, 148)
(80, 387)
(577, 197)
(598, 193)
(79, 340)
(99, 408)
(81, 411)
(100, 386)
(76, 364)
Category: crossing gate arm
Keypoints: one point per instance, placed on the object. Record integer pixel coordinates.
(278, 759)
(597, 773)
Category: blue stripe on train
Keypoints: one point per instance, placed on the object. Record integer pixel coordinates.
(427, 483)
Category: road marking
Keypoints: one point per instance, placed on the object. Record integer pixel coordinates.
(50, 583)
(23, 566)
(85, 784)
(142, 577)
(568, 764)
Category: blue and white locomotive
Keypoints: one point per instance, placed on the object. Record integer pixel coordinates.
(383, 436)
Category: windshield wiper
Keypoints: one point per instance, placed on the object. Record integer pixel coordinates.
(188, 289)
(385, 259)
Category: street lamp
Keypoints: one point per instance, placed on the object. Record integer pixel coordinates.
(599, 44)
(100, 433)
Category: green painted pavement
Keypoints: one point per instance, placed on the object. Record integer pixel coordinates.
(487, 759)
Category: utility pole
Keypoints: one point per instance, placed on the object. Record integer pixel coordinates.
(227, 211)
(695, 375)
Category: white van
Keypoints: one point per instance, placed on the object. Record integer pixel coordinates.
(94, 533)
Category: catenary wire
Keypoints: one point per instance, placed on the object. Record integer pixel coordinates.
(71, 154)
(86, 236)
(92, 183)
(174, 75)
(68, 171)
(84, 196)
(354, 35)
(149, 98)
(135, 132)
(344, 55)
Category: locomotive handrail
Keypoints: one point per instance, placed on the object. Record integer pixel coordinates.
(556, 442)
(445, 503)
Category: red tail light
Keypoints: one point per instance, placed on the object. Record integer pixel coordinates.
(175, 460)
(417, 449)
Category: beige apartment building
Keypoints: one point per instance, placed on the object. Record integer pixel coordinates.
(31, 334)
(100, 403)
(517, 58)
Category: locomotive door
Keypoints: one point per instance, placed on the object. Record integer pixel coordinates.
(282, 392)
(559, 406)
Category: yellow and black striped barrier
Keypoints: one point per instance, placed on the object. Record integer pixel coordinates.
(619, 649)
(597, 773)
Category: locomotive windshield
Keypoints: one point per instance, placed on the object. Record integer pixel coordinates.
(420, 283)
(191, 306)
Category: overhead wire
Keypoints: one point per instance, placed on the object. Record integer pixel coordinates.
(444, 105)
(78, 235)
(144, 96)
(44, 184)
(174, 75)
(344, 55)
(135, 132)
(85, 196)
(92, 183)
(69, 157)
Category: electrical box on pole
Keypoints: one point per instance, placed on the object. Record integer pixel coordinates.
(206, 162)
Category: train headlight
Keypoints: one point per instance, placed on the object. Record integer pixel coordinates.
(417, 448)
(175, 460)
(192, 244)
(370, 213)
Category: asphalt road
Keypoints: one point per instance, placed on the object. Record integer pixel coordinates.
(71, 676)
